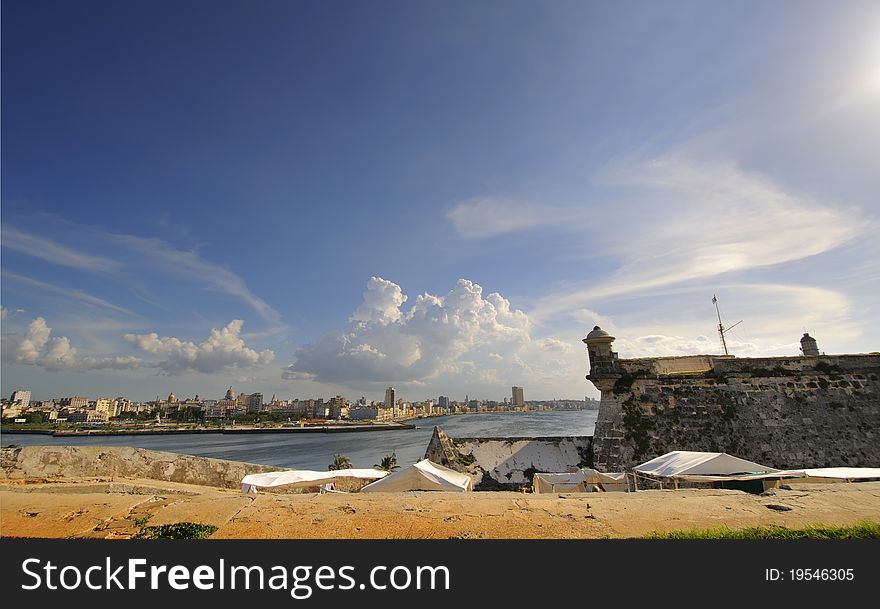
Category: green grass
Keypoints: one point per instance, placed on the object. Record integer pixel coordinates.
(861, 530)
(178, 530)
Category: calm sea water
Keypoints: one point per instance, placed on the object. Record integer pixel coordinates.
(315, 451)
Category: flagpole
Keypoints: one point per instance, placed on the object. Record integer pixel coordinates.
(720, 326)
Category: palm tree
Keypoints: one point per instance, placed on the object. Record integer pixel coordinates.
(339, 462)
(388, 464)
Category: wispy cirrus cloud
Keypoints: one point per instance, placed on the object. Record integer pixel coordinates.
(483, 217)
(66, 292)
(134, 255)
(191, 265)
(49, 250)
(686, 220)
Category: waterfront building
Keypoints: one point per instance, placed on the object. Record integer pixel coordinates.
(122, 404)
(75, 403)
(105, 406)
(517, 398)
(254, 402)
(21, 398)
(337, 407)
(389, 401)
(362, 413)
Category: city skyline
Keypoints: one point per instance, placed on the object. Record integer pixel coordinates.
(36, 397)
(315, 200)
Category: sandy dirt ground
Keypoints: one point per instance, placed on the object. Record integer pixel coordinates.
(104, 509)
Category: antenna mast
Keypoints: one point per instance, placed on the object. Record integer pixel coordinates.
(721, 328)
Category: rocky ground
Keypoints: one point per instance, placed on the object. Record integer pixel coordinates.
(115, 509)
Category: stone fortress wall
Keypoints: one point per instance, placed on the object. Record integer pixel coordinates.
(111, 462)
(784, 412)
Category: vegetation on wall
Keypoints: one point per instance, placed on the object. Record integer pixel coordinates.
(637, 426)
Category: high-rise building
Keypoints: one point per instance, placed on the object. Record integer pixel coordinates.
(443, 402)
(337, 407)
(518, 400)
(21, 398)
(105, 406)
(389, 398)
(254, 402)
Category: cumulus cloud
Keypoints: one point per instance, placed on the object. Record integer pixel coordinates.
(7, 314)
(462, 335)
(223, 350)
(37, 347)
(381, 304)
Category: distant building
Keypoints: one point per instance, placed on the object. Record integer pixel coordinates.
(443, 402)
(517, 397)
(363, 413)
(105, 406)
(75, 403)
(338, 407)
(254, 402)
(21, 398)
(390, 402)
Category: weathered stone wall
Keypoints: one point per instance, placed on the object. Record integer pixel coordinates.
(508, 463)
(103, 462)
(782, 412)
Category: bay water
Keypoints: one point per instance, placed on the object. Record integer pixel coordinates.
(315, 450)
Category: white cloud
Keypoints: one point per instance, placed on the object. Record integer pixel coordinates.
(38, 348)
(381, 303)
(459, 332)
(51, 251)
(223, 350)
(690, 220)
(487, 217)
(7, 314)
(192, 266)
(68, 293)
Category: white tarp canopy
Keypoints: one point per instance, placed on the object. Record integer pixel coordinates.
(705, 467)
(422, 476)
(584, 480)
(844, 473)
(299, 478)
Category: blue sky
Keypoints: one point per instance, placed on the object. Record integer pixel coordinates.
(308, 198)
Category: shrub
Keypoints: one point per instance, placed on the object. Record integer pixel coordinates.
(178, 530)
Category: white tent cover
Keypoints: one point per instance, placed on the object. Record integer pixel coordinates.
(844, 473)
(299, 478)
(584, 480)
(422, 476)
(682, 463)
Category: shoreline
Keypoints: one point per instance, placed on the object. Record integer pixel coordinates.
(227, 430)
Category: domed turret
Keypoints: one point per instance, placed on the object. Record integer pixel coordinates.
(602, 359)
(809, 346)
(230, 395)
(172, 398)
